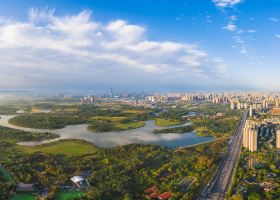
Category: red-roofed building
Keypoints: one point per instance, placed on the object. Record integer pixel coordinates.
(151, 190)
(164, 196)
(151, 193)
(154, 196)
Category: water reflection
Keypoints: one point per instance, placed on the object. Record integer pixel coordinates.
(143, 135)
(36, 111)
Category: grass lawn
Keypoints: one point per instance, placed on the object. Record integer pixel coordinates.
(203, 132)
(105, 118)
(67, 147)
(68, 195)
(108, 124)
(167, 122)
(66, 109)
(134, 111)
(130, 125)
(36, 110)
(24, 197)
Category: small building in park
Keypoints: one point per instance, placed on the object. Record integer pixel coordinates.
(23, 187)
(164, 196)
(80, 182)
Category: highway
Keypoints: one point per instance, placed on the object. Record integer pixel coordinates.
(219, 185)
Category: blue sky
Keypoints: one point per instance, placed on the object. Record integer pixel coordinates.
(140, 45)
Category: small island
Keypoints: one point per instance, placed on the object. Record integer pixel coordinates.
(165, 122)
(180, 130)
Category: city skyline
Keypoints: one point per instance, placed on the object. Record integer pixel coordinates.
(184, 46)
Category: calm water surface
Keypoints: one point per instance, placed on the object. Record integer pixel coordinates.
(143, 135)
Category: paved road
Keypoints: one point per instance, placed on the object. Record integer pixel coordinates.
(219, 185)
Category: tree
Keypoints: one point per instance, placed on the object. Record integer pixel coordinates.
(254, 196)
(273, 168)
(127, 196)
(236, 197)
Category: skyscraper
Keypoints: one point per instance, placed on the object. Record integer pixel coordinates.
(277, 103)
(250, 136)
(111, 93)
(253, 140)
(251, 111)
(238, 105)
(232, 105)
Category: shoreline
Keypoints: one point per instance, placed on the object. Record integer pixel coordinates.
(143, 135)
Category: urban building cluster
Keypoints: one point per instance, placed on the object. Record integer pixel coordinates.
(255, 133)
(187, 97)
(88, 99)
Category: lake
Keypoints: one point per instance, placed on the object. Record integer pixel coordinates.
(143, 135)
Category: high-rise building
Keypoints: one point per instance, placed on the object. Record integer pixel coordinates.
(278, 139)
(111, 93)
(232, 105)
(277, 103)
(246, 137)
(251, 162)
(265, 104)
(253, 140)
(250, 136)
(238, 105)
(251, 111)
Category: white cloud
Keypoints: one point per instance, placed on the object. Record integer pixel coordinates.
(233, 17)
(238, 39)
(252, 31)
(243, 50)
(230, 27)
(241, 44)
(50, 50)
(277, 35)
(240, 31)
(273, 19)
(226, 3)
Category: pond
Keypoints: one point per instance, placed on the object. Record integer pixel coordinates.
(143, 135)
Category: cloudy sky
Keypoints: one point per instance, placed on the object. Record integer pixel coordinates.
(139, 45)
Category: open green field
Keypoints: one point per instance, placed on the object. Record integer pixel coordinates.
(99, 124)
(65, 147)
(130, 125)
(168, 122)
(24, 197)
(37, 110)
(70, 195)
(106, 118)
(134, 111)
(105, 126)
